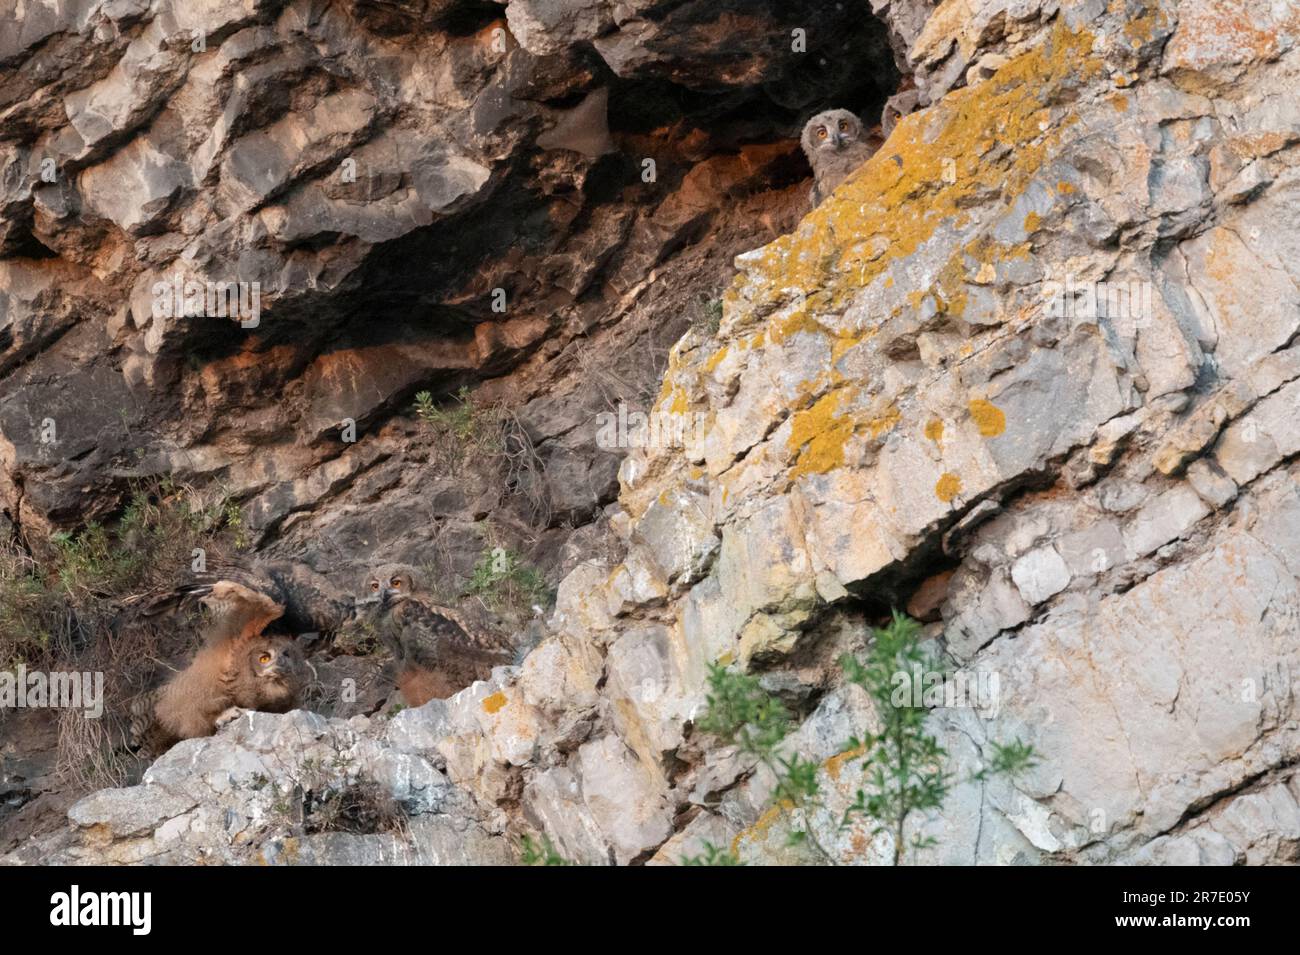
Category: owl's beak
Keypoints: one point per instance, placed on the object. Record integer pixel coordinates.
(837, 139)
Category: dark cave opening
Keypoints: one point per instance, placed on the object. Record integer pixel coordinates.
(449, 268)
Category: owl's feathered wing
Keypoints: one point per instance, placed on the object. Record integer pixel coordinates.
(218, 675)
(438, 652)
(311, 603)
(143, 732)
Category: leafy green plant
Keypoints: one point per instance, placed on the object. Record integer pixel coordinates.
(507, 583)
(462, 419)
(904, 767)
(743, 714)
(489, 436)
(532, 852)
(234, 519)
(708, 319)
(904, 764)
(711, 855)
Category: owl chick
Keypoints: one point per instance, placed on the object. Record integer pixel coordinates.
(835, 144)
(436, 651)
(237, 668)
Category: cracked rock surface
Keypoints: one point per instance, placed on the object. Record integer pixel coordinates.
(1043, 344)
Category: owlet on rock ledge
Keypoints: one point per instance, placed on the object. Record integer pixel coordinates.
(436, 651)
(835, 144)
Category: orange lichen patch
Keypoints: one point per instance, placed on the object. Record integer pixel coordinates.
(681, 402)
(975, 263)
(948, 487)
(818, 435)
(495, 702)
(885, 422)
(988, 417)
(1226, 32)
(800, 320)
(846, 340)
(1221, 258)
(835, 764)
(1141, 30)
(934, 430)
(1065, 188)
(760, 828)
(1261, 144)
(1032, 222)
(715, 359)
(1120, 102)
(902, 195)
(985, 249)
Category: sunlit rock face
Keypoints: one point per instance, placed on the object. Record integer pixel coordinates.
(1031, 372)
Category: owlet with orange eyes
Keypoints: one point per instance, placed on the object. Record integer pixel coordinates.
(238, 668)
(436, 651)
(835, 144)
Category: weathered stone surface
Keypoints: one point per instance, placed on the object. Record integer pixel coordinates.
(623, 798)
(268, 789)
(1042, 342)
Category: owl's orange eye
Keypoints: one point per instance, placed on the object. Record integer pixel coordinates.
(821, 132)
(374, 585)
(264, 659)
(396, 583)
(844, 126)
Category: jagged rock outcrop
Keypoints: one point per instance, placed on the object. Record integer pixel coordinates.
(1033, 369)
(405, 196)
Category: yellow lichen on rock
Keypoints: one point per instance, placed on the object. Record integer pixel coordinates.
(988, 417)
(902, 193)
(818, 435)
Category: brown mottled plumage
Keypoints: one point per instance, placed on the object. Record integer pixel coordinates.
(835, 144)
(237, 668)
(437, 652)
(311, 603)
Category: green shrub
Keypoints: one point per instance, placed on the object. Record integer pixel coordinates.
(488, 437)
(904, 767)
(531, 852)
(507, 584)
(81, 602)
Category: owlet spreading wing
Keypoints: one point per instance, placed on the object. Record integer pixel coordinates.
(238, 667)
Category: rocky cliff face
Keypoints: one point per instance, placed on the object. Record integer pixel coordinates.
(1031, 373)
